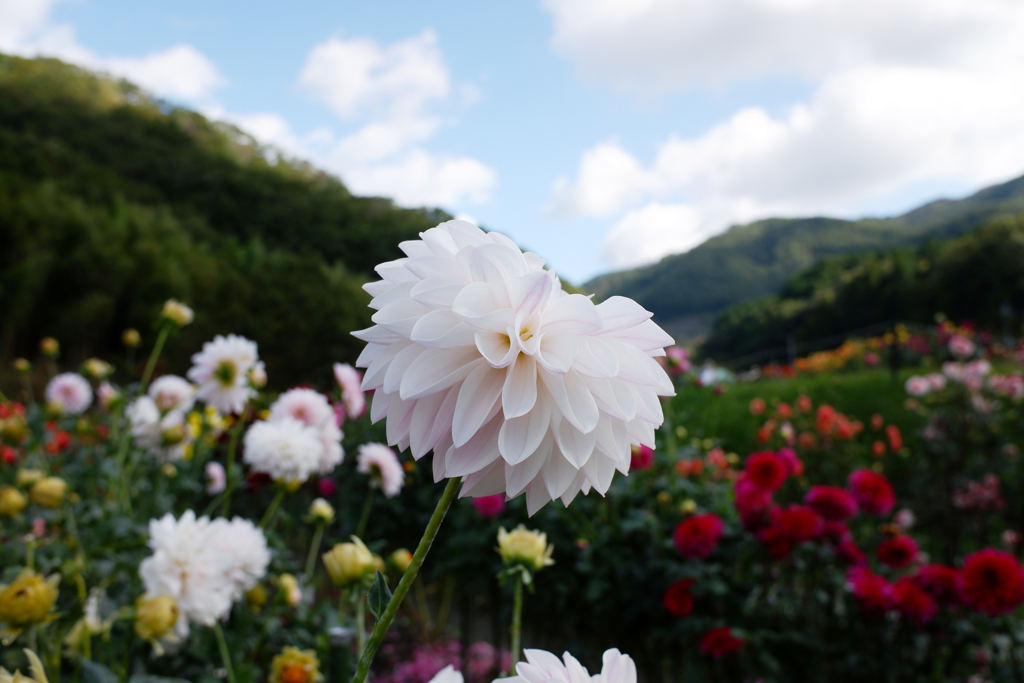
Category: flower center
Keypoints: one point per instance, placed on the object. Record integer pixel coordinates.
(294, 673)
(226, 372)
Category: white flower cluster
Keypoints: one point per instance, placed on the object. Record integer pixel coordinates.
(224, 371)
(544, 667)
(70, 392)
(516, 385)
(380, 462)
(300, 438)
(204, 565)
(158, 419)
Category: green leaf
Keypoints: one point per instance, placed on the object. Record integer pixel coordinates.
(380, 595)
(97, 673)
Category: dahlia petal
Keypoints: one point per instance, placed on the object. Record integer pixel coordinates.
(576, 446)
(441, 329)
(489, 481)
(436, 292)
(369, 354)
(440, 450)
(441, 432)
(399, 365)
(599, 470)
(519, 476)
(637, 367)
(574, 312)
(556, 351)
(377, 335)
(439, 241)
(613, 398)
(530, 292)
(543, 659)
(497, 348)
(373, 378)
(536, 498)
(392, 294)
(519, 393)
(558, 474)
(379, 405)
(377, 288)
(478, 304)
(438, 369)
(476, 454)
(648, 407)
(465, 234)
(618, 313)
(574, 488)
(521, 436)
(414, 248)
(479, 393)
(400, 317)
(641, 432)
(394, 271)
(613, 438)
(595, 358)
(424, 416)
(581, 401)
(646, 336)
(399, 419)
(429, 265)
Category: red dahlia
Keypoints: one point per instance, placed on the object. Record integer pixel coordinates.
(872, 491)
(897, 552)
(641, 457)
(794, 465)
(913, 602)
(873, 593)
(766, 470)
(831, 502)
(800, 523)
(850, 553)
(719, 642)
(678, 600)
(943, 583)
(993, 581)
(697, 537)
(754, 504)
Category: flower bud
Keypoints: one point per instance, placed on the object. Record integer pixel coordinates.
(155, 617)
(664, 497)
(348, 563)
(256, 597)
(22, 365)
(173, 435)
(378, 563)
(321, 511)
(177, 312)
(14, 428)
(12, 501)
(688, 506)
(48, 492)
(169, 470)
(258, 376)
(525, 547)
(295, 666)
(131, 338)
(290, 589)
(97, 369)
(49, 347)
(401, 559)
(28, 599)
(26, 477)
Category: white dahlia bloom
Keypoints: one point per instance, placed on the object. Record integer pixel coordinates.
(517, 386)
(243, 548)
(171, 392)
(221, 371)
(544, 667)
(286, 449)
(165, 437)
(187, 565)
(350, 381)
(313, 410)
(447, 675)
(71, 392)
(380, 461)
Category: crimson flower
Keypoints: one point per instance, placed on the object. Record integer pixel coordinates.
(719, 642)
(831, 502)
(753, 503)
(641, 457)
(913, 602)
(872, 491)
(490, 506)
(943, 583)
(678, 600)
(851, 553)
(794, 465)
(993, 581)
(873, 593)
(697, 537)
(897, 552)
(766, 470)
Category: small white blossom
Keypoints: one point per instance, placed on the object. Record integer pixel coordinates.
(71, 392)
(381, 462)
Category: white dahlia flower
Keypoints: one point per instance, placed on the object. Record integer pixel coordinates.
(517, 386)
(165, 437)
(221, 370)
(187, 565)
(243, 548)
(380, 462)
(71, 392)
(544, 667)
(171, 392)
(286, 449)
(216, 478)
(447, 675)
(313, 410)
(350, 381)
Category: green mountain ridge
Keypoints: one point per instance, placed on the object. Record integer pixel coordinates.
(755, 260)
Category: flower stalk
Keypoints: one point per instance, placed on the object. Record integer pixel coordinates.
(147, 374)
(225, 654)
(364, 518)
(517, 622)
(381, 627)
(271, 513)
(229, 470)
(314, 549)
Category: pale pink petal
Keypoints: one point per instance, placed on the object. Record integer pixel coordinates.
(574, 312)
(574, 444)
(497, 348)
(595, 358)
(479, 394)
(441, 329)
(556, 351)
(519, 393)
(521, 436)
(438, 369)
(618, 313)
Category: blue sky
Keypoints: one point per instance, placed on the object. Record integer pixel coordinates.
(599, 134)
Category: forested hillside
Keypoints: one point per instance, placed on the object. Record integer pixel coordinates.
(112, 201)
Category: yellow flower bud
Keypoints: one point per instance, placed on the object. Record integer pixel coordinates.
(378, 563)
(348, 563)
(169, 470)
(173, 435)
(177, 312)
(50, 347)
(28, 599)
(256, 597)
(321, 511)
(290, 589)
(131, 338)
(12, 501)
(22, 365)
(525, 547)
(688, 506)
(664, 497)
(26, 477)
(295, 666)
(401, 558)
(155, 617)
(97, 369)
(48, 492)
(14, 428)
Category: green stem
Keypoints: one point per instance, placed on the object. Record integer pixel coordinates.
(153, 357)
(225, 655)
(229, 471)
(272, 510)
(517, 621)
(360, 621)
(314, 548)
(365, 517)
(381, 627)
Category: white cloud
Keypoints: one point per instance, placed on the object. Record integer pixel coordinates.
(179, 72)
(922, 92)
